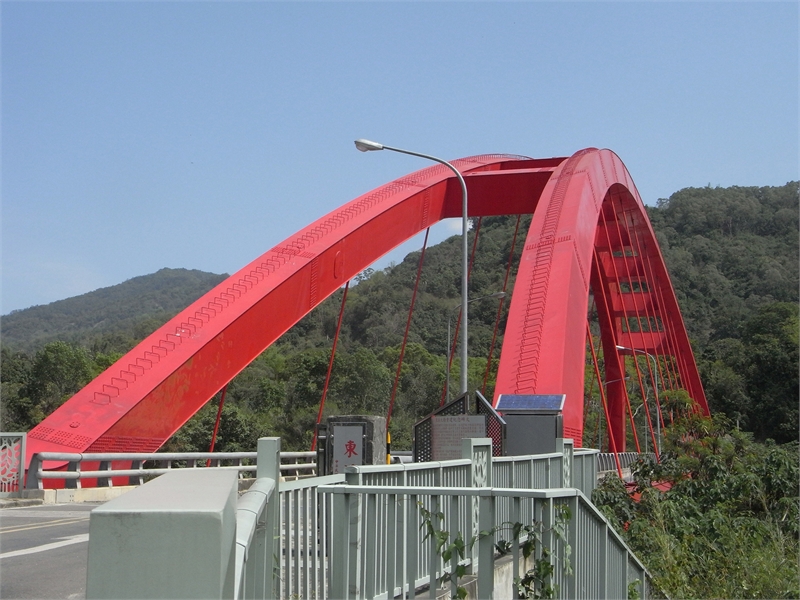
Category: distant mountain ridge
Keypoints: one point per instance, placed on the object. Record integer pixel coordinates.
(115, 309)
(732, 254)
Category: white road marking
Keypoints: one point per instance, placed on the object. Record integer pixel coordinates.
(77, 539)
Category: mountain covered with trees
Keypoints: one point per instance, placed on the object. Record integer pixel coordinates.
(724, 521)
(129, 311)
(732, 254)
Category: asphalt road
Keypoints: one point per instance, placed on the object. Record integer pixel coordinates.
(43, 551)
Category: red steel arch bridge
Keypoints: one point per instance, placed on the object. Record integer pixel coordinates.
(589, 237)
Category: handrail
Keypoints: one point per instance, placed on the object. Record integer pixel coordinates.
(249, 514)
(102, 456)
(37, 474)
(585, 541)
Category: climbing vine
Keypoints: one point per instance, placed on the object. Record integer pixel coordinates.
(537, 582)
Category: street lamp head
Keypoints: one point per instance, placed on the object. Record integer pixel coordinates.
(367, 145)
(622, 347)
(498, 295)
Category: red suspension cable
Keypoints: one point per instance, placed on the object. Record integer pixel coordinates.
(591, 388)
(500, 307)
(330, 366)
(596, 372)
(216, 423)
(631, 291)
(612, 442)
(408, 325)
(652, 321)
(624, 365)
(671, 380)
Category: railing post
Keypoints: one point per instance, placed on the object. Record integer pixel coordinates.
(412, 536)
(548, 473)
(435, 563)
(486, 545)
(73, 466)
(136, 479)
(454, 558)
(571, 575)
(548, 538)
(269, 465)
(340, 573)
(33, 481)
(515, 517)
(479, 452)
(394, 542)
(568, 451)
(355, 518)
(604, 560)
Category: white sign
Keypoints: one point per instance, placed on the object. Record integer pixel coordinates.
(448, 431)
(348, 446)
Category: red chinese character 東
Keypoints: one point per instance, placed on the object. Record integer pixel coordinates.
(350, 448)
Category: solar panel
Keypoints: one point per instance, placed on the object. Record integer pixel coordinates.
(530, 403)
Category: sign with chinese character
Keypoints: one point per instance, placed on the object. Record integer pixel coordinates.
(448, 430)
(348, 447)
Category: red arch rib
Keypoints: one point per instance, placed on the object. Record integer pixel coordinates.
(141, 400)
(567, 252)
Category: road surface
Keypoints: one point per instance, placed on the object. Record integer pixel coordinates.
(43, 551)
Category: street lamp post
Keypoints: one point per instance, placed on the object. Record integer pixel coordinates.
(449, 346)
(636, 412)
(368, 146)
(655, 389)
(605, 384)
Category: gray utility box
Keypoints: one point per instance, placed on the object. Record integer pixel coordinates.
(533, 422)
(350, 440)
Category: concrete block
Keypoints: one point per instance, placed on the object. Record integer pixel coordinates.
(173, 537)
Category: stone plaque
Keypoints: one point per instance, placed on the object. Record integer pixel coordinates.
(449, 430)
(348, 446)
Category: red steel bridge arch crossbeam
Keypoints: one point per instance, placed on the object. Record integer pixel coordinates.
(148, 394)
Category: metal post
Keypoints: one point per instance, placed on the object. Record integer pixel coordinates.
(486, 521)
(339, 582)
(269, 465)
(449, 358)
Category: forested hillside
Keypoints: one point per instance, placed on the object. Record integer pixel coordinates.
(129, 310)
(732, 253)
(729, 529)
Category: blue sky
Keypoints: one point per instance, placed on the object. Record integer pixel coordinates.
(143, 135)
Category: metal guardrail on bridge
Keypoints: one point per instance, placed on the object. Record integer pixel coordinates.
(135, 468)
(104, 468)
(320, 524)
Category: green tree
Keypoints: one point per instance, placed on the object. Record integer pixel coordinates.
(723, 521)
(18, 411)
(58, 371)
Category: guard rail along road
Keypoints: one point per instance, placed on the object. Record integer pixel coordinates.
(360, 534)
(135, 468)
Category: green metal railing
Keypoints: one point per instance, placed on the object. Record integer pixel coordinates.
(379, 547)
(358, 535)
(600, 563)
